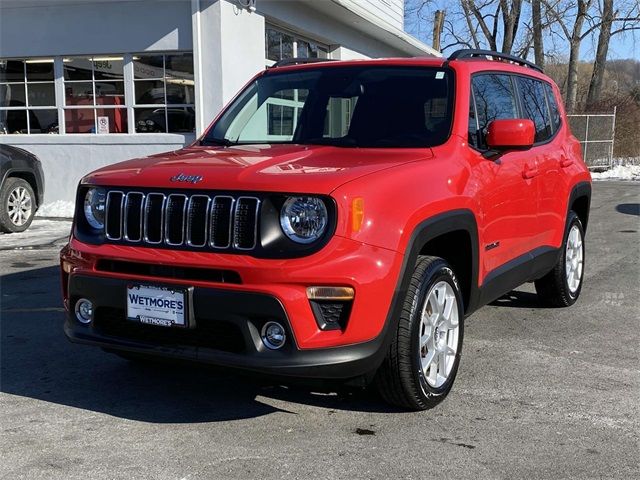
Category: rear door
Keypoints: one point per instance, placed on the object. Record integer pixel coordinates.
(507, 188)
(538, 104)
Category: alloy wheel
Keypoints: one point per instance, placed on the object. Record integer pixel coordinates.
(19, 206)
(439, 328)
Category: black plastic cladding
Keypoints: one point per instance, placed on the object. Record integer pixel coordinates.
(279, 245)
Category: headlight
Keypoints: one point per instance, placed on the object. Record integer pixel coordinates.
(304, 219)
(94, 205)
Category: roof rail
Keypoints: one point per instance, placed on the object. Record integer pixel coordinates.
(299, 60)
(471, 53)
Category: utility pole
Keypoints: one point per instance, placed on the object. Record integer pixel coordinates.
(438, 25)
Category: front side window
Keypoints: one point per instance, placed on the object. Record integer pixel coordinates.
(534, 104)
(372, 106)
(494, 99)
(27, 96)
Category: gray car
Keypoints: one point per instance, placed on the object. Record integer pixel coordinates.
(21, 188)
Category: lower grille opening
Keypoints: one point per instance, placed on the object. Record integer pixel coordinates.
(169, 271)
(330, 314)
(208, 333)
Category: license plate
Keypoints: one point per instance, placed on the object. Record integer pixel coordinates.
(155, 305)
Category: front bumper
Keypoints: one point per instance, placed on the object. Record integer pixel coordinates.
(228, 317)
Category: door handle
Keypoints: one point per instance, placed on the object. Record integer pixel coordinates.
(528, 172)
(566, 162)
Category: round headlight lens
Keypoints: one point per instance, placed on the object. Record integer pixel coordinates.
(94, 206)
(304, 219)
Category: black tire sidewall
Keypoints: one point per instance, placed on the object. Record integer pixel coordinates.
(10, 184)
(440, 271)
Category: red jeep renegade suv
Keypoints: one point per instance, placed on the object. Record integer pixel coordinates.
(338, 220)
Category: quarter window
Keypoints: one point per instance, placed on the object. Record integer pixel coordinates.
(534, 104)
(494, 99)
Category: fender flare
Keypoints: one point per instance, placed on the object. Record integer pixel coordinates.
(580, 189)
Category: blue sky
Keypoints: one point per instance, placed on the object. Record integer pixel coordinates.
(622, 45)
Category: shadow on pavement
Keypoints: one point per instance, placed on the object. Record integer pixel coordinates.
(629, 208)
(518, 299)
(37, 361)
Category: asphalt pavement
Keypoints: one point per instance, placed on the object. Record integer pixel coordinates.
(541, 393)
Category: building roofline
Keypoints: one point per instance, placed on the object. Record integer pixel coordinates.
(388, 33)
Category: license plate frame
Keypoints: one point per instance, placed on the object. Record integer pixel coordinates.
(148, 312)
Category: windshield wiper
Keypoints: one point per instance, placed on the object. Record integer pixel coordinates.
(225, 142)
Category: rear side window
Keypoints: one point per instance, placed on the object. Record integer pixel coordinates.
(534, 105)
(553, 107)
(494, 99)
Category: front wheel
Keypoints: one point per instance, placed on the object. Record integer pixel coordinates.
(561, 286)
(424, 354)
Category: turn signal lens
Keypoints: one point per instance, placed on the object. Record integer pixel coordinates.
(330, 293)
(357, 214)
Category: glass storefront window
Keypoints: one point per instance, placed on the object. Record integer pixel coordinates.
(164, 93)
(92, 93)
(25, 87)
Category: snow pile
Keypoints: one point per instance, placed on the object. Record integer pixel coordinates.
(619, 172)
(40, 233)
(59, 209)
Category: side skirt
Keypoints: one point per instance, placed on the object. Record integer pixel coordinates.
(525, 268)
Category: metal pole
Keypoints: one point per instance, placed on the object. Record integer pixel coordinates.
(586, 140)
(613, 135)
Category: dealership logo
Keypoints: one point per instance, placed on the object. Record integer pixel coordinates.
(181, 177)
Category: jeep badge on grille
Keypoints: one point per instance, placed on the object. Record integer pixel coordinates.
(181, 177)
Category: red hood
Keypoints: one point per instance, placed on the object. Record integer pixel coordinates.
(284, 168)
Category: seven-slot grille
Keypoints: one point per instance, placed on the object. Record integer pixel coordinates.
(180, 220)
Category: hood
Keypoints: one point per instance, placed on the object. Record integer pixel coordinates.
(275, 168)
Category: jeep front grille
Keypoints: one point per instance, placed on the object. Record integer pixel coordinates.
(178, 220)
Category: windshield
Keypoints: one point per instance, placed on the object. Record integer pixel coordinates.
(364, 106)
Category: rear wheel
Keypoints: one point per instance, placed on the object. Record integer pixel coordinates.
(424, 355)
(561, 286)
(18, 207)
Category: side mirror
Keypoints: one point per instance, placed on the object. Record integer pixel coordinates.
(510, 134)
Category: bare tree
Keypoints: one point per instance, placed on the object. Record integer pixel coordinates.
(629, 21)
(561, 14)
(536, 27)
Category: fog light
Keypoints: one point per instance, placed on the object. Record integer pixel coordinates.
(84, 311)
(273, 335)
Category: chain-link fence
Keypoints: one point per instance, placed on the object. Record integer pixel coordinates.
(596, 133)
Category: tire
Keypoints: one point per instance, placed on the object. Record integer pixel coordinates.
(17, 205)
(401, 379)
(558, 288)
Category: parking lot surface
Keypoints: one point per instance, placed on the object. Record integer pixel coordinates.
(541, 393)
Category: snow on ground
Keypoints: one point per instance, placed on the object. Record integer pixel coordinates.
(59, 209)
(41, 233)
(619, 172)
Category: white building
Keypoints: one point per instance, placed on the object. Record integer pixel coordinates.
(84, 83)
